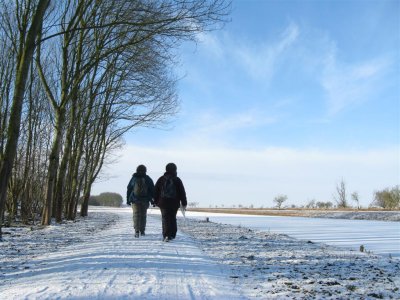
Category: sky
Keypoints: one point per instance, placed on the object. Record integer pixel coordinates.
(288, 98)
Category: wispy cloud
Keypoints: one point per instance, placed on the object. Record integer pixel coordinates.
(310, 54)
(350, 84)
(211, 128)
(211, 123)
(212, 44)
(345, 83)
(259, 61)
(256, 59)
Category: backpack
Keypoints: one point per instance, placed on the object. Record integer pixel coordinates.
(140, 187)
(169, 189)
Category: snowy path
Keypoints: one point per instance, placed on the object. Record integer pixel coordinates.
(112, 264)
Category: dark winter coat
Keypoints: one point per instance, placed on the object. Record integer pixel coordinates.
(169, 202)
(130, 197)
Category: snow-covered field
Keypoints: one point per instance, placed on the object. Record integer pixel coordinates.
(269, 265)
(379, 237)
(98, 258)
(391, 216)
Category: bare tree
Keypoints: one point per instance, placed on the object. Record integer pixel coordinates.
(356, 198)
(105, 67)
(28, 174)
(341, 195)
(311, 204)
(30, 25)
(141, 35)
(279, 200)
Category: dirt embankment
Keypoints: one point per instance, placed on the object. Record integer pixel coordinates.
(378, 215)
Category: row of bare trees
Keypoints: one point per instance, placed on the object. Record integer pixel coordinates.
(388, 198)
(75, 75)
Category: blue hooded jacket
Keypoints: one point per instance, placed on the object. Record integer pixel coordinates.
(130, 197)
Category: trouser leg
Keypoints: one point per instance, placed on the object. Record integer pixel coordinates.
(169, 222)
(143, 217)
(173, 225)
(164, 221)
(136, 215)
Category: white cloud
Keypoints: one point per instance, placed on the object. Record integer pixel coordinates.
(259, 61)
(209, 123)
(350, 84)
(216, 176)
(211, 129)
(212, 44)
(314, 53)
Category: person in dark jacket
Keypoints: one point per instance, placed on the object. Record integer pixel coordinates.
(140, 192)
(169, 196)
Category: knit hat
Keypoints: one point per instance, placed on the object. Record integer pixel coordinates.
(170, 168)
(141, 169)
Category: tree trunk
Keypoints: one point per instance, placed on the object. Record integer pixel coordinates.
(53, 167)
(16, 109)
(85, 203)
(63, 166)
(29, 159)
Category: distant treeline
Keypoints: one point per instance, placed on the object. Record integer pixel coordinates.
(106, 199)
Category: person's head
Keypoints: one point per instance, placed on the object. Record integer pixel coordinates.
(141, 169)
(171, 168)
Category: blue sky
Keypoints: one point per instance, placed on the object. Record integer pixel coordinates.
(291, 95)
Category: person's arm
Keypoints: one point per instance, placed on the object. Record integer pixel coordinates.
(129, 190)
(157, 191)
(182, 193)
(151, 189)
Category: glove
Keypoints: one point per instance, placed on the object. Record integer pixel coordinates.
(184, 207)
(128, 203)
(153, 204)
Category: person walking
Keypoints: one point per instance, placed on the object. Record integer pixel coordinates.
(169, 196)
(140, 193)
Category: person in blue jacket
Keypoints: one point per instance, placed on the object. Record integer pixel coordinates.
(140, 193)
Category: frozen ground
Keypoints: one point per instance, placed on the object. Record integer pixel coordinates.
(98, 258)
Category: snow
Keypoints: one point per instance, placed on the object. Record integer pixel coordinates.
(109, 263)
(98, 258)
(378, 215)
(380, 237)
(392, 216)
(269, 265)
